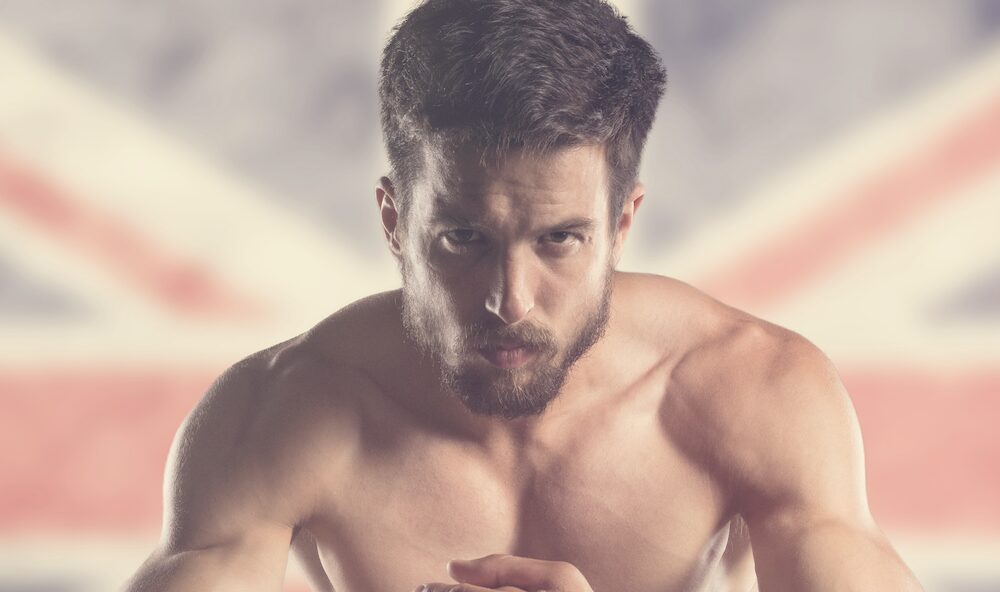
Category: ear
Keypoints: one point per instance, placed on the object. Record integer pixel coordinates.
(389, 213)
(632, 204)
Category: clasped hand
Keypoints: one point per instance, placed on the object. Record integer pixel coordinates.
(508, 573)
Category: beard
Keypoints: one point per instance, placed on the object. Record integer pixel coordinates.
(487, 390)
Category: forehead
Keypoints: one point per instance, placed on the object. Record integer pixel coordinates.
(567, 179)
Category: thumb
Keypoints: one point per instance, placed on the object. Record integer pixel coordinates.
(468, 571)
(494, 571)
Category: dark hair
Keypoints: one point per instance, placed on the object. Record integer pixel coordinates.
(503, 75)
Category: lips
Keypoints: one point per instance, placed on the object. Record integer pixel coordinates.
(508, 355)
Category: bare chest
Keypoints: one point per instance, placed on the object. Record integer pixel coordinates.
(626, 509)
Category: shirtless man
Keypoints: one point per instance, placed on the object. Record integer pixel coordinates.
(519, 403)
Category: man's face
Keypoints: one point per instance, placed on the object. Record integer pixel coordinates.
(507, 273)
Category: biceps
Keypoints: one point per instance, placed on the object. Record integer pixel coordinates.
(250, 563)
(826, 554)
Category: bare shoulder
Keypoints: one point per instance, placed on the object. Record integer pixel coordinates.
(270, 429)
(216, 483)
(757, 403)
(310, 391)
(665, 310)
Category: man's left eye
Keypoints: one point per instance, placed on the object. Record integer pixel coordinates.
(560, 237)
(462, 236)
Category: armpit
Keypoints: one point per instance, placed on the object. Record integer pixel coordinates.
(303, 547)
(737, 559)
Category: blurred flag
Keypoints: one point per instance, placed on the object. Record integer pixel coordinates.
(183, 183)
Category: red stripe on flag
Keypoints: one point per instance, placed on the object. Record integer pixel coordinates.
(180, 284)
(862, 215)
(932, 446)
(84, 450)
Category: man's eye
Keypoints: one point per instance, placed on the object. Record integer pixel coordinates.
(559, 238)
(462, 236)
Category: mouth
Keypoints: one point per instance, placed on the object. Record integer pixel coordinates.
(508, 356)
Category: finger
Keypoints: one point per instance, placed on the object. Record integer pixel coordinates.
(509, 570)
(440, 587)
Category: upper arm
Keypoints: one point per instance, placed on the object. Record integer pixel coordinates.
(801, 488)
(804, 449)
(224, 527)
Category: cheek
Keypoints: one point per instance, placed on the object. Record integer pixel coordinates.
(463, 281)
(445, 296)
(426, 263)
(585, 294)
(568, 300)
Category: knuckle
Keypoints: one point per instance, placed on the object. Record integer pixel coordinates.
(564, 569)
(566, 573)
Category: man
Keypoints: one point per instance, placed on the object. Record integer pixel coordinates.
(519, 403)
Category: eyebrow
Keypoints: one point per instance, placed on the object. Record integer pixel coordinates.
(456, 219)
(581, 223)
(453, 218)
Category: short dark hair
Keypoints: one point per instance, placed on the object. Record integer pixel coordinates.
(501, 75)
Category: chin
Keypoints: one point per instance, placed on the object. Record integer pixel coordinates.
(508, 394)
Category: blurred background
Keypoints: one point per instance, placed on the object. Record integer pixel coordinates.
(183, 183)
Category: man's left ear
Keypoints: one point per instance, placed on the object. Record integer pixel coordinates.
(632, 203)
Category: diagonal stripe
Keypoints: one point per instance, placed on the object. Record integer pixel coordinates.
(84, 449)
(863, 214)
(183, 286)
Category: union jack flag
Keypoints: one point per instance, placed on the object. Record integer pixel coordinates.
(183, 183)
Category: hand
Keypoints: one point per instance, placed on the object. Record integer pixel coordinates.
(507, 573)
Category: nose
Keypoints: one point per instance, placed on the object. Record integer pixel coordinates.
(511, 297)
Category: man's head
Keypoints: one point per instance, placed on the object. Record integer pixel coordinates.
(514, 130)
(503, 75)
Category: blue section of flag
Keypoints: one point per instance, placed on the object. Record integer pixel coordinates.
(976, 301)
(41, 586)
(754, 86)
(22, 295)
(964, 584)
(278, 90)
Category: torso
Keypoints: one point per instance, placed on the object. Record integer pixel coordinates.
(619, 488)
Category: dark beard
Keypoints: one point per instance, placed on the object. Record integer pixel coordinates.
(498, 392)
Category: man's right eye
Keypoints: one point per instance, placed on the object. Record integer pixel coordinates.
(462, 236)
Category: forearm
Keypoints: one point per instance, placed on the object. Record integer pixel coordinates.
(833, 557)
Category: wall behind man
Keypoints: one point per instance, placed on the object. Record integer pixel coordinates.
(184, 182)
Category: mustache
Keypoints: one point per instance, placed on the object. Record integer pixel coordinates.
(481, 336)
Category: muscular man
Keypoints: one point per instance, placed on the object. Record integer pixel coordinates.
(519, 403)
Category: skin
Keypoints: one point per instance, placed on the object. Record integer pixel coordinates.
(692, 448)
